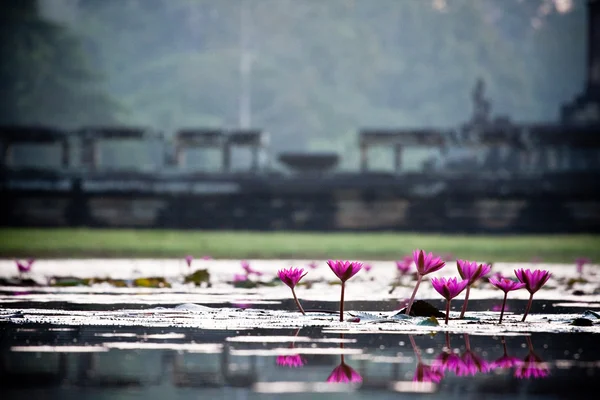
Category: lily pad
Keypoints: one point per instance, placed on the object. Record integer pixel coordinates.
(421, 308)
(431, 321)
(152, 282)
(198, 277)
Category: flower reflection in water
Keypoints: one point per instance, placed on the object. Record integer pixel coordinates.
(291, 361)
(533, 366)
(471, 363)
(343, 373)
(506, 361)
(447, 360)
(425, 372)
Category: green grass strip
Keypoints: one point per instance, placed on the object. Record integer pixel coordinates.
(85, 243)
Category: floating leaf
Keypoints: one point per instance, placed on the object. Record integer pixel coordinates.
(591, 315)
(198, 277)
(152, 282)
(431, 321)
(422, 308)
(581, 322)
(68, 281)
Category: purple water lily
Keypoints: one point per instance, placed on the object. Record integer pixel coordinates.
(533, 280)
(291, 276)
(580, 262)
(471, 272)
(449, 289)
(249, 270)
(188, 260)
(344, 270)
(24, 266)
(506, 285)
(425, 264)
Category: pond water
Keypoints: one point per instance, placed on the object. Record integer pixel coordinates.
(227, 342)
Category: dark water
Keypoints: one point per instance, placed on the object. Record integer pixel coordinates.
(192, 363)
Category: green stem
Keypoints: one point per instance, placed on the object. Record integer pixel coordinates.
(464, 307)
(342, 303)
(447, 310)
(503, 305)
(528, 307)
(297, 302)
(412, 298)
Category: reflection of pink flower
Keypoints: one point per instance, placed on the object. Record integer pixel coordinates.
(471, 364)
(343, 373)
(532, 367)
(447, 361)
(506, 361)
(293, 361)
(427, 373)
(498, 307)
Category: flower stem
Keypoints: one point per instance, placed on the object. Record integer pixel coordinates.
(464, 307)
(412, 298)
(342, 303)
(503, 305)
(447, 310)
(467, 342)
(297, 302)
(528, 307)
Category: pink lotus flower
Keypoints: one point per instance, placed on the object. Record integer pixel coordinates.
(344, 270)
(291, 277)
(24, 266)
(249, 270)
(426, 264)
(240, 278)
(471, 272)
(449, 289)
(313, 265)
(188, 260)
(343, 373)
(403, 267)
(367, 267)
(293, 361)
(533, 366)
(533, 282)
(506, 285)
(206, 257)
(580, 262)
